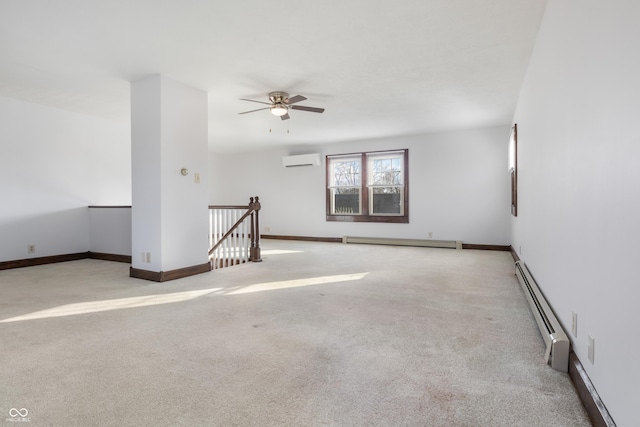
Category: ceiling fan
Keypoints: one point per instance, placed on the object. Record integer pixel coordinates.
(281, 103)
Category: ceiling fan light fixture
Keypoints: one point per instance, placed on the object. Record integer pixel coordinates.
(279, 110)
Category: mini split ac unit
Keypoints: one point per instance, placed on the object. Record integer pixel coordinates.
(301, 160)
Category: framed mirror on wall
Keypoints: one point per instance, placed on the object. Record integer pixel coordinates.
(513, 168)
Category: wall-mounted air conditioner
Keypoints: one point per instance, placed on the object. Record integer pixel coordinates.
(301, 160)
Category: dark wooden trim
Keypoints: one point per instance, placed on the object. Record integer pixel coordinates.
(228, 207)
(110, 257)
(139, 273)
(303, 238)
(327, 191)
(165, 276)
(406, 185)
(365, 152)
(110, 207)
(591, 401)
(514, 173)
(185, 272)
(364, 190)
(514, 254)
(486, 247)
(30, 262)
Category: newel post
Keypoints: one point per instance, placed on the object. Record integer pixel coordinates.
(255, 229)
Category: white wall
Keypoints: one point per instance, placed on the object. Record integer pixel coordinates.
(146, 134)
(169, 212)
(579, 143)
(185, 215)
(53, 164)
(458, 188)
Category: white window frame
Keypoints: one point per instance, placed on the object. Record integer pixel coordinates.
(388, 155)
(335, 186)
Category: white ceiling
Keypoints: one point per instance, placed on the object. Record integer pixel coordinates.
(379, 67)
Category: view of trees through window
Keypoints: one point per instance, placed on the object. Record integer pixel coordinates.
(346, 183)
(347, 173)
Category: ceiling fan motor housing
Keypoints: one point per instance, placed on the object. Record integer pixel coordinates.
(278, 97)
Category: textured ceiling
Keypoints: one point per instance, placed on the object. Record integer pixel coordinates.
(380, 68)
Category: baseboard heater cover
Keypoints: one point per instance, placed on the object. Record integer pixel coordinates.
(452, 244)
(556, 340)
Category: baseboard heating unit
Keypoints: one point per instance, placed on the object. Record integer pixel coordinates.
(452, 244)
(558, 344)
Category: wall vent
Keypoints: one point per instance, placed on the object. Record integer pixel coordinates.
(557, 352)
(301, 160)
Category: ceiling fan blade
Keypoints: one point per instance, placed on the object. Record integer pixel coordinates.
(294, 99)
(285, 117)
(253, 100)
(311, 109)
(251, 111)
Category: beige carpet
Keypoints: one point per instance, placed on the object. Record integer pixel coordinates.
(317, 334)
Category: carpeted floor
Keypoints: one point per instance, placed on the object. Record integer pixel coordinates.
(317, 334)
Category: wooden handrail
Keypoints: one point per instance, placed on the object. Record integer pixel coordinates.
(228, 206)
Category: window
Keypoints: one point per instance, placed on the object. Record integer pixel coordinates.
(368, 187)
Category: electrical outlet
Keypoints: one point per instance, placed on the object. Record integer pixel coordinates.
(31, 249)
(267, 229)
(591, 349)
(196, 178)
(148, 257)
(574, 324)
(430, 235)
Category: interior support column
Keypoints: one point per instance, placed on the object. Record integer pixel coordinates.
(169, 217)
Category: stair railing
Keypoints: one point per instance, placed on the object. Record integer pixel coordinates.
(234, 234)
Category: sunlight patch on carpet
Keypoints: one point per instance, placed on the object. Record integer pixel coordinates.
(113, 304)
(286, 284)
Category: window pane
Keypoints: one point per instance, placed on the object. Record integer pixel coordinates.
(387, 200)
(346, 201)
(346, 172)
(345, 187)
(385, 170)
